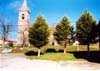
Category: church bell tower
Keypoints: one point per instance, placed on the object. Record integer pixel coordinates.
(23, 24)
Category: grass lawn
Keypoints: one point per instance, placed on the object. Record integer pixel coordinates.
(70, 48)
(56, 57)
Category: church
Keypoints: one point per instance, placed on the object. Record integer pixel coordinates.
(23, 26)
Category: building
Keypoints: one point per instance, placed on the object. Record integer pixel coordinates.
(23, 27)
(7, 42)
(52, 41)
(23, 24)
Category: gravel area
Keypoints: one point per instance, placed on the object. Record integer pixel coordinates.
(18, 62)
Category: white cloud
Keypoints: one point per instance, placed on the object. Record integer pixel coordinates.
(15, 5)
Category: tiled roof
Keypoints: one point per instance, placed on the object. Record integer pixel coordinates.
(8, 40)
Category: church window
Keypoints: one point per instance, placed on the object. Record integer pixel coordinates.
(23, 16)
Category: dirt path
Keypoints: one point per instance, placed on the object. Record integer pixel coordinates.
(18, 62)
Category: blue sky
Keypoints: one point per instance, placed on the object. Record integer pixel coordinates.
(52, 10)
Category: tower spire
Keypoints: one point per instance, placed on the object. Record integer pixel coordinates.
(24, 6)
(24, 3)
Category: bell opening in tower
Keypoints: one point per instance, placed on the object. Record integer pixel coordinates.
(23, 16)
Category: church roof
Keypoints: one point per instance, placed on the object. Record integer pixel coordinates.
(52, 29)
(8, 40)
(24, 6)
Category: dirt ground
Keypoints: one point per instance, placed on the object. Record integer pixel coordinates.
(18, 62)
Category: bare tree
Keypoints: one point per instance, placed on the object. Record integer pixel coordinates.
(5, 29)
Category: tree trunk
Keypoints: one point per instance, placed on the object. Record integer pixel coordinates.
(77, 45)
(65, 48)
(99, 43)
(39, 52)
(88, 48)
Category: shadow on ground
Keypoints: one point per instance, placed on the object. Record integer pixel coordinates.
(54, 50)
(50, 50)
(32, 53)
(93, 56)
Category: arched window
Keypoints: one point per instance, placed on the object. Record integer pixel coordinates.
(23, 16)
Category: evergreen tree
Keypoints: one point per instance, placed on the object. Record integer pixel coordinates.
(72, 34)
(99, 33)
(85, 29)
(62, 32)
(38, 33)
